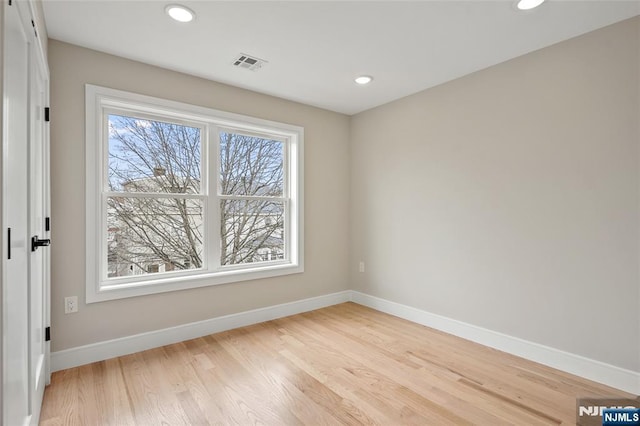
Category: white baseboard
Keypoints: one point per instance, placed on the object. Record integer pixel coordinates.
(101, 351)
(597, 371)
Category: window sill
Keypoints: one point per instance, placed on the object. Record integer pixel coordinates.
(103, 292)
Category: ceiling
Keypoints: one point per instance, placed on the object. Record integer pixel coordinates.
(315, 49)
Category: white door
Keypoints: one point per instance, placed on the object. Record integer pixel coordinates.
(37, 231)
(24, 280)
(15, 321)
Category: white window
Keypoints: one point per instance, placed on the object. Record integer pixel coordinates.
(180, 196)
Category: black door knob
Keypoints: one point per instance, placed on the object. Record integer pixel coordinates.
(35, 243)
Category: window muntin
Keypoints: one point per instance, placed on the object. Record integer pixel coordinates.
(185, 196)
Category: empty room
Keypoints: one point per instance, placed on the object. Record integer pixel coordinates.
(320, 212)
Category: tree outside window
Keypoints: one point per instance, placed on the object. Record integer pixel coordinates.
(151, 229)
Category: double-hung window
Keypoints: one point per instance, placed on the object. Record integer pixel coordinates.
(180, 196)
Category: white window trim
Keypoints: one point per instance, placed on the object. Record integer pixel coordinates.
(97, 290)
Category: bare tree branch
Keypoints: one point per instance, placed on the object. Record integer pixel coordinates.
(151, 234)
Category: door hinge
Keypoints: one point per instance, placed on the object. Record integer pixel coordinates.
(47, 334)
(10, 2)
(46, 113)
(8, 243)
(47, 224)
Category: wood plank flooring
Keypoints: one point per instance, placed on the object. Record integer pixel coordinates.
(346, 364)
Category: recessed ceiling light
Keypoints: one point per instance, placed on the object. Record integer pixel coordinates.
(180, 13)
(528, 4)
(363, 79)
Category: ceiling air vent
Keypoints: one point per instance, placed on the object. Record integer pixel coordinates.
(249, 62)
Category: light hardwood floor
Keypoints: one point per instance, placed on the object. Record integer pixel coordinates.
(346, 364)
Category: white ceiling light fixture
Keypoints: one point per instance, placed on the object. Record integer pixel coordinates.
(528, 4)
(363, 79)
(180, 13)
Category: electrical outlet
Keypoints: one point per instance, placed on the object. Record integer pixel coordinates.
(70, 304)
(361, 266)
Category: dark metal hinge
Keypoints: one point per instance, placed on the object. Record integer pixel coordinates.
(47, 334)
(9, 243)
(46, 113)
(47, 224)
(10, 2)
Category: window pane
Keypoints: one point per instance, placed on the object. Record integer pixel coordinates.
(251, 165)
(151, 235)
(251, 231)
(153, 156)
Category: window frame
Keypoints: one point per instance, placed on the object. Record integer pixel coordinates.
(99, 103)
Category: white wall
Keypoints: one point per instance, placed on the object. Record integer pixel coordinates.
(509, 199)
(326, 200)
